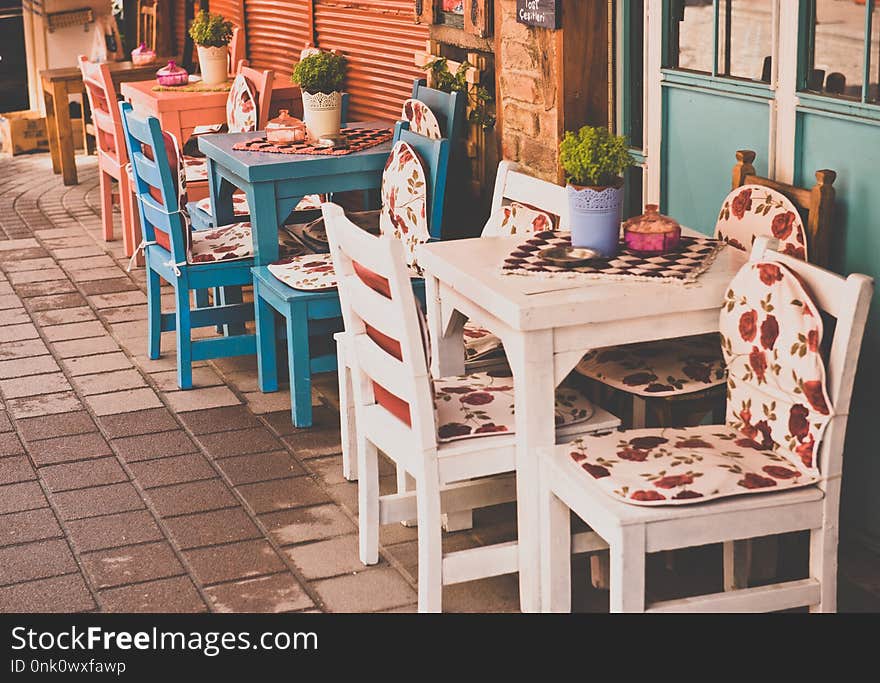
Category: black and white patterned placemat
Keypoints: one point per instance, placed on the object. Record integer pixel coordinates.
(693, 256)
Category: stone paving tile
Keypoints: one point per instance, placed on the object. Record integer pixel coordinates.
(86, 446)
(25, 262)
(174, 470)
(10, 444)
(130, 298)
(94, 274)
(37, 560)
(32, 525)
(173, 595)
(99, 500)
(78, 475)
(13, 316)
(10, 333)
(5, 422)
(62, 286)
(239, 442)
(62, 316)
(107, 382)
(22, 349)
(8, 301)
(103, 362)
(34, 365)
(282, 494)
(131, 564)
(118, 284)
(16, 469)
(219, 419)
(126, 401)
(51, 426)
(85, 347)
(266, 594)
(212, 528)
(124, 314)
(200, 399)
(88, 263)
(148, 446)
(330, 557)
(76, 252)
(249, 469)
(137, 423)
(370, 590)
(48, 404)
(198, 496)
(72, 331)
(31, 276)
(62, 594)
(34, 386)
(202, 377)
(238, 560)
(55, 302)
(114, 530)
(307, 524)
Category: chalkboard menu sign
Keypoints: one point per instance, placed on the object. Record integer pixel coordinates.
(542, 13)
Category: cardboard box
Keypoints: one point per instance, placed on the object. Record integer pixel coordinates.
(23, 131)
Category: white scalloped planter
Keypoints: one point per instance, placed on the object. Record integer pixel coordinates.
(594, 214)
(213, 64)
(322, 113)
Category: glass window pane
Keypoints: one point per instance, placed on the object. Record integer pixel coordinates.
(838, 53)
(692, 25)
(634, 89)
(745, 33)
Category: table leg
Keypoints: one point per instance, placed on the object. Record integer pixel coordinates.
(445, 329)
(531, 359)
(61, 109)
(264, 221)
(52, 130)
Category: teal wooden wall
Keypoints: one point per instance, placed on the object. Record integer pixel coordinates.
(851, 146)
(702, 130)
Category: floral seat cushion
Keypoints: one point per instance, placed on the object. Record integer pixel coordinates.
(754, 211)
(229, 243)
(656, 369)
(239, 205)
(777, 408)
(421, 119)
(481, 404)
(479, 342)
(196, 169)
(308, 272)
(404, 200)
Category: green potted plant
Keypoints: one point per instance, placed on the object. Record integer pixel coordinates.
(211, 34)
(594, 160)
(320, 76)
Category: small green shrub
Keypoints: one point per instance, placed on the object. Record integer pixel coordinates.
(479, 98)
(210, 30)
(594, 156)
(320, 72)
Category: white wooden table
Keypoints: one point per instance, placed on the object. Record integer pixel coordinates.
(547, 326)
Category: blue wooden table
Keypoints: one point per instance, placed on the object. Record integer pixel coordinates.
(275, 183)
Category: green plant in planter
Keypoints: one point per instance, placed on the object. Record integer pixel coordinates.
(320, 72)
(479, 98)
(210, 30)
(594, 157)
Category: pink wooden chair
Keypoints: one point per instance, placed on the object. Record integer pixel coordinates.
(445, 449)
(237, 50)
(112, 157)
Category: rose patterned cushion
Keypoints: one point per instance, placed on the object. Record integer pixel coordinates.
(662, 368)
(308, 272)
(754, 211)
(229, 243)
(404, 200)
(421, 119)
(516, 219)
(239, 205)
(479, 342)
(310, 201)
(777, 408)
(241, 107)
(481, 404)
(196, 169)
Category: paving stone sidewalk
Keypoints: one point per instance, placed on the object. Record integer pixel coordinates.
(120, 493)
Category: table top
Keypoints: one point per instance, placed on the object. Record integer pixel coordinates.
(171, 99)
(473, 268)
(72, 73)
(269, 166)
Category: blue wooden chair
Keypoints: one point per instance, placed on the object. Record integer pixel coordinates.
(166, 247)
(311, 314)
(448, 108)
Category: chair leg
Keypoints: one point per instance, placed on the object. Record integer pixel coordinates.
(430, 543)
(230, 295)
(368, 501)
(105, 181)
(627, 553)
(184, 338)
(556, 553)
(154, 314)
(128, 239)
(267, 360)
(299, 366)
(639, 412)
(347, 423)
(823, 567)
(737, 559)
(405, 482)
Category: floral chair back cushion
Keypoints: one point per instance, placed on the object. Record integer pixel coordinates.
(516, 219)
(771, 333)
(421, 119)
(754, 211)
(405, 200)
(241, 107)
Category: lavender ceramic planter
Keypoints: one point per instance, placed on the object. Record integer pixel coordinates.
(594, 214)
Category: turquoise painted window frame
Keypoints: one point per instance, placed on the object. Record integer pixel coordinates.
(714, 80)
(624, 70)
(806, 49)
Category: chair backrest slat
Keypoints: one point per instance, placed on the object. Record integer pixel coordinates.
(101, 93)
(261, 83)
(512, 185)
(434, 155)
(448, 108)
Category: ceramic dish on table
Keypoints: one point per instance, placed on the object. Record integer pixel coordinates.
(568, 257)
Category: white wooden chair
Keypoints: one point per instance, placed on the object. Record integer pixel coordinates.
(512, 187)
(395, 399)
(633, 530)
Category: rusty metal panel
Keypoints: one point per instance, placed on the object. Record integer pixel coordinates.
(233, 10)
(277, 30)
(379, 38)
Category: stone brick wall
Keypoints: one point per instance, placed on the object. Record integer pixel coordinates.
(528, 77)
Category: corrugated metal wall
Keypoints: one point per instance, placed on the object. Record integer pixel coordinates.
(233, 10)
(277, 30)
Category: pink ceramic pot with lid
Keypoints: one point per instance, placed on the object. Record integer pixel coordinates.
(285, 128)
(651, 233)
(171, 74)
